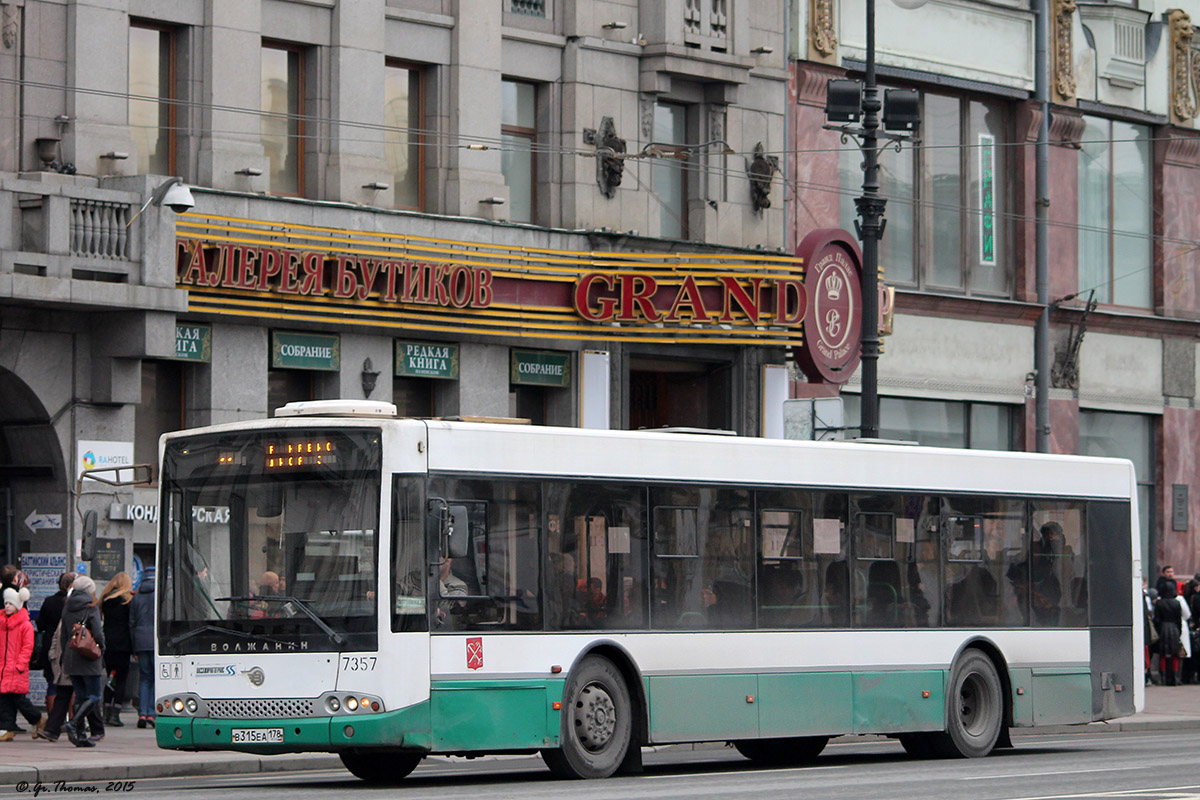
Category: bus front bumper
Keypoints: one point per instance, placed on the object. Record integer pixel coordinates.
(408, 728)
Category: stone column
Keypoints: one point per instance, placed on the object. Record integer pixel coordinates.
(475, 106)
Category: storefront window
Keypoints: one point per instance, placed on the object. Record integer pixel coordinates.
(288, 386)
(1131, 436)
(939, 423)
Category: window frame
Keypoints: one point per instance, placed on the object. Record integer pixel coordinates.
(920, 207)
(171, 99)
(530, 134)
(679, 163)
(297, 50)
(1109, 233)
(416, 130)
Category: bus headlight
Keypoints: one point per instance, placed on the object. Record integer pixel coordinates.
(192, 705)
(351, 704)
(177, 706)
(334, 705)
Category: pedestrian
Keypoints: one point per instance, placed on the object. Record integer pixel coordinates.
(63, 690)
(1190, 672)
(1168, 619)
(141, 623)
(1166, 575)
(47, 623)
(87, 675)
(12, 577)
(14, 664)
(114, 611)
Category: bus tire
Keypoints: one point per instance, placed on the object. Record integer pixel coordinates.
(597, 722)
(782, 752)
(380, 767)
(975, 708)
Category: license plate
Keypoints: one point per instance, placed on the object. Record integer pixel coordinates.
(257, 735)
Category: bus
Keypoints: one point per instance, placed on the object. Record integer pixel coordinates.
(337, 579)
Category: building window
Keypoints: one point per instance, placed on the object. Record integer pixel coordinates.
(152, 117)
(1131, 436)
(940, 423)
(161, 409)
(288, 386)
(532, 8)
(402, 139)
(946, 226)
(669, 175)
(1115, 256)
(413, 397)
(518, 131)
(281, 126)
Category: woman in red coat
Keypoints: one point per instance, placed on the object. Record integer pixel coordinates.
(15, 652)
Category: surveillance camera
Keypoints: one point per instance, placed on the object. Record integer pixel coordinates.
(179, 199)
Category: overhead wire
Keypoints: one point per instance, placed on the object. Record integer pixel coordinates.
(695, 162)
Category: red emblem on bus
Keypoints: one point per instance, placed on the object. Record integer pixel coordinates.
(475, 652)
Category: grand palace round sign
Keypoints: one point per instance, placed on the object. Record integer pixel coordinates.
(833, 320)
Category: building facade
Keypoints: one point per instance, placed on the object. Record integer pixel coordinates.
(564, 211)
(959, 243)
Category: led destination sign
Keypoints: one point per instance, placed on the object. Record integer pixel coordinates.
(291, 455)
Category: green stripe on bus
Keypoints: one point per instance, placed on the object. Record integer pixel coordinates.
(799, 704)
(495, 715)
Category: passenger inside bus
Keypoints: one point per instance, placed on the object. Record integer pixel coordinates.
(837, 594)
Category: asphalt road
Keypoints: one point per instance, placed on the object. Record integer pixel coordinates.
(1145, 766)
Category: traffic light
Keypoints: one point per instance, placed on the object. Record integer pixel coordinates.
(87, 546)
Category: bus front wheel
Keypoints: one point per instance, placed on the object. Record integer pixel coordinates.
(380, 767)
(597, 722)
(975, 712)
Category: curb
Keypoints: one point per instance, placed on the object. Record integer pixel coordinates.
(94, 773)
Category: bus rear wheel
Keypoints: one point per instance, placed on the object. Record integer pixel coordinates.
(597, 722)
(975, 712)
(782, 752)
(380, 767)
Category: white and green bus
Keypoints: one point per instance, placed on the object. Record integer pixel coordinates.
(337, 579)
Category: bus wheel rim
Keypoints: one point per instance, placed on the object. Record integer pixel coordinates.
(972, 705)
(595, 717)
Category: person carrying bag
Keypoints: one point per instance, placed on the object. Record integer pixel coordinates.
(83, 642)
(86, 670)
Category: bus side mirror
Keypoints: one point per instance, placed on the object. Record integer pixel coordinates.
(458, 533)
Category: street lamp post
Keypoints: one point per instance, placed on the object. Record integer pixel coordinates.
(852, 101)
(870, 208)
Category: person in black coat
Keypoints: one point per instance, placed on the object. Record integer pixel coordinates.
(114, 610)
(47, 621)
(1168, 619)
(87, 675)
(141, 626)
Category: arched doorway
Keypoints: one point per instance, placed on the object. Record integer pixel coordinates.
(31, 473)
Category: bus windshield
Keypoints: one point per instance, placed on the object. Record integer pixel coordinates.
(269, 542)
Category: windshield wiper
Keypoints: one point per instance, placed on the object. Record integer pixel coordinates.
(301, 604)
(183, 637)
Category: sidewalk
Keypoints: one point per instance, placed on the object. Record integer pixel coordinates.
(130, 753)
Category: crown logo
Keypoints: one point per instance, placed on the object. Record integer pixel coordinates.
(833, 286)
